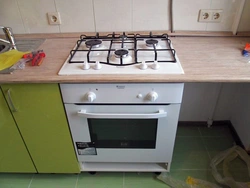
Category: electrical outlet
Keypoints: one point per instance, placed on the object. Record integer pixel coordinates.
(210, 15)
(54, 18)
(204, 15)
(217, 15)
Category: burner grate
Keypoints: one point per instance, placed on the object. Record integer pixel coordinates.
(121, 46)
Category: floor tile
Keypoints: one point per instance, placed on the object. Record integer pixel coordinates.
(15, 180)
(54, 181)
(190, 153)
(182, 175)
(195, 146)
(215, 131)
(188, 131)
(215, 145)
(237, 164)
(142, 180)
(240, 175)
(100, 180)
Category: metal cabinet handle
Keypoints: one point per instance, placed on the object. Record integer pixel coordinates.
(159, 114)
(10, 102)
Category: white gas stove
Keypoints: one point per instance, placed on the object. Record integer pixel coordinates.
(122, 54)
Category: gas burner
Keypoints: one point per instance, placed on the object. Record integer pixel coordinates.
(121, 53)
(123, 37)
(94, 43)
(121, 61)
(151, 42)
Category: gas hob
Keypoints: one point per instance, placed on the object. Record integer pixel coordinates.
(122, 54)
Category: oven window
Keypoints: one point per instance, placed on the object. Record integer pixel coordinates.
(123, 133)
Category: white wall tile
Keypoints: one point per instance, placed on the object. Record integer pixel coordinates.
(151, 15)
(113, 15)
(34, 14)
(229, 11)
(10, 16)
(245, 18)
(185, 14)
(26, 16)
(76, 15)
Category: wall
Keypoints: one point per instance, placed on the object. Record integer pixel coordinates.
(203, 101)
(199, 101)
(244, 24)
(29, 16)
(240, 113)
(219, 101)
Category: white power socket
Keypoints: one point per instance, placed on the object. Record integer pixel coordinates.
(210, 15)
(54, 18)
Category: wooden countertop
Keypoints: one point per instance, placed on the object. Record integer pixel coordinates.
(204, 59)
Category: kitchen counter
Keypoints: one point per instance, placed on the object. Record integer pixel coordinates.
(204, 59)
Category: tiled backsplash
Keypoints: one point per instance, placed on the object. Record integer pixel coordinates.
(30, 16)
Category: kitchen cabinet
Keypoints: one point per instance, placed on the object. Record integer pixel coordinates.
(14, 156)
(41, 119)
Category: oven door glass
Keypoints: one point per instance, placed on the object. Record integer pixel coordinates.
(123, 133)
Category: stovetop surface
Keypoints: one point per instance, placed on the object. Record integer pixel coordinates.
(122, 54)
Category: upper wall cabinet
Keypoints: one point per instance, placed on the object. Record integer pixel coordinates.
(39, 114)
(14, 156)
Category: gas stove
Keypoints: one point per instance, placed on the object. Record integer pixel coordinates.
(122, 54)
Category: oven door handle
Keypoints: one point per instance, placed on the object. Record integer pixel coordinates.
(159, 114)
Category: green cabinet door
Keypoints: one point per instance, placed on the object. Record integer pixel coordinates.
(41, 119)
(14, 156)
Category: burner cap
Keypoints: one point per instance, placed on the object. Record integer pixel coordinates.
(151, 42)
(93, 43)
(121, 53)
(123, 36)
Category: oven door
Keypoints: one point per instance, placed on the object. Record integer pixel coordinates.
(123, 133)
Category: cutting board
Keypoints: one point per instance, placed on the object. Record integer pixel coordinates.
(7, 59)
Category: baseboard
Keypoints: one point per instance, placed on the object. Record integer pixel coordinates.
(217, 123)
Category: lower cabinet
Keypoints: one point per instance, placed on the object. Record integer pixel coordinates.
(14, 156)
(39, 114)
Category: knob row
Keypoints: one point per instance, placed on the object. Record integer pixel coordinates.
(142, 66)
(151, 96)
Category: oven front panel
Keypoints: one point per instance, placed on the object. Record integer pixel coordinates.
(123, 133)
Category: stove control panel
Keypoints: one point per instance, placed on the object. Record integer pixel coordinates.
(122, 93)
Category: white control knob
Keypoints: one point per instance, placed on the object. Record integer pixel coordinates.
(90, 96)
(97, 65)
(155, 65)
(85, 66)
(152, 96)
(139, 96)
(143, 66)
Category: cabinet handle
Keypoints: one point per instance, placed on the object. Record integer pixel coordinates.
(10, 102)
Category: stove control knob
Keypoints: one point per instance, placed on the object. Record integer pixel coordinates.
(97, 65)
(85, 66)
(155, 65)
(143, 66)
(152, 96)
(90, 96)
(139, 96)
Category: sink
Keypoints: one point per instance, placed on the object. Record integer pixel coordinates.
(23, 45)
(3, 47)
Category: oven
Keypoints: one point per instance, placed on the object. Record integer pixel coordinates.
(123, 126)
